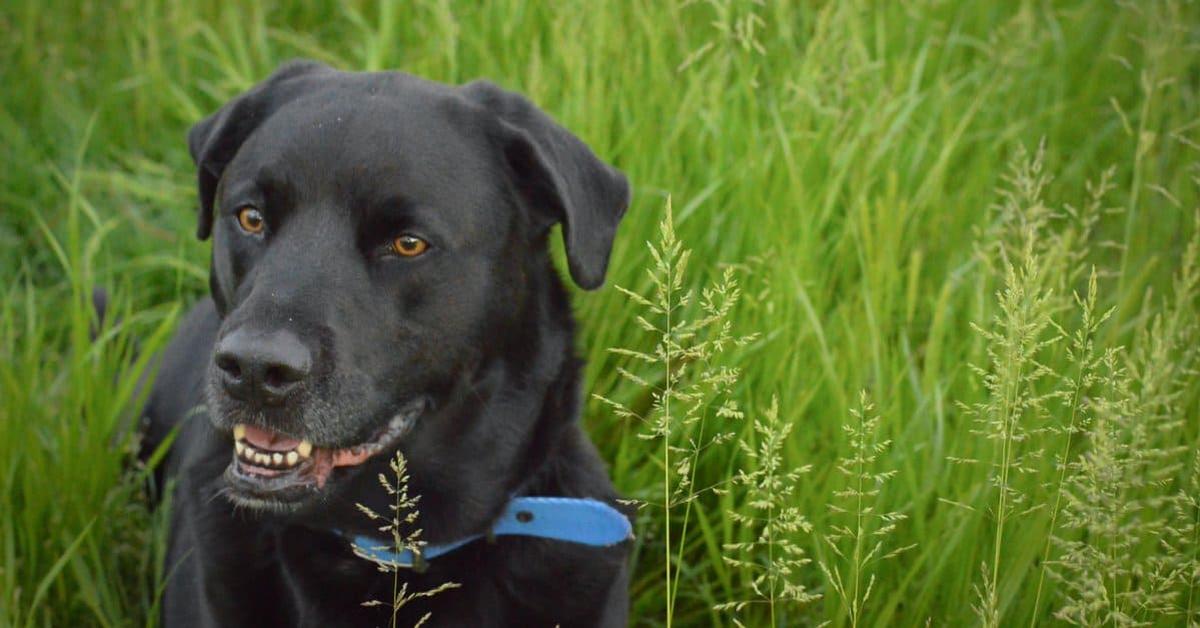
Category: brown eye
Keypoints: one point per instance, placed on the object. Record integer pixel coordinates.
(409, 246)
(251, 220)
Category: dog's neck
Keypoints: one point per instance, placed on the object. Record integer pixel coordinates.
(509, 426)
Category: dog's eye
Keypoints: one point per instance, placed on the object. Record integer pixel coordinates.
(408, 245)
(251, 220)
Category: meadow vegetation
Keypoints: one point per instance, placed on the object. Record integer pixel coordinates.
(901, 328)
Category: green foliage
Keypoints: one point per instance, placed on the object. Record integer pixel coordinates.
(1015, 340)
(1103, 578)
(835, 158)
(689, 335)
(1117, 495)
(858, 542)
(773, 560)
(400, 526)
(1084, 375)
(1183, 539)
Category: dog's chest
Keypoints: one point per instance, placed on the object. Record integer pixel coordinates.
(475, 586)
(329, 586)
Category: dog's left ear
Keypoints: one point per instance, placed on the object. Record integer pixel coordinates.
(561, 179)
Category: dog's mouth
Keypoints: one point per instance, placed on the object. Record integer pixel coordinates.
(272, 470)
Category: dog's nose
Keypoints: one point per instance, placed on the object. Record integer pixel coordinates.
(261, 368)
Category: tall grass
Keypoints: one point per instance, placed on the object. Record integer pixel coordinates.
(690, 332)
(860, 541)
(398, 525)
(839, 159)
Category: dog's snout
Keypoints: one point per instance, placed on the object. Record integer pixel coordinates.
(261, 368)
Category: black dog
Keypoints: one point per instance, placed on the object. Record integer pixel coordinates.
(380, 282)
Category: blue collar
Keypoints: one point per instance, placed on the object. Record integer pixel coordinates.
(576, 520)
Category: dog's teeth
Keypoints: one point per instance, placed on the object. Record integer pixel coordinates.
(261, 459)
(237, 445)
(292, 458)
(277, 458)
(239, 431)
(304, 448)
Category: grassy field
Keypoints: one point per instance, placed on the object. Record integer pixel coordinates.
(913, 199)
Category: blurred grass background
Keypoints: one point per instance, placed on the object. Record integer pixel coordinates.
(845, 154)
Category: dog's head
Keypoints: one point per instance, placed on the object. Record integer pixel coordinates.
(374, 239)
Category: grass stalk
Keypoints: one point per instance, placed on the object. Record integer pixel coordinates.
(1082, 355)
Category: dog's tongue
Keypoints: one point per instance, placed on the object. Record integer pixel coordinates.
(268, 440)
(351, 457)
(324, 460)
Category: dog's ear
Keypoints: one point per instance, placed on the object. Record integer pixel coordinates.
(560, 177)
(215, 140)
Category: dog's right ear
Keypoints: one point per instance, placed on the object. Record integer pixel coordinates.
(215, 140)
(560, 177)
